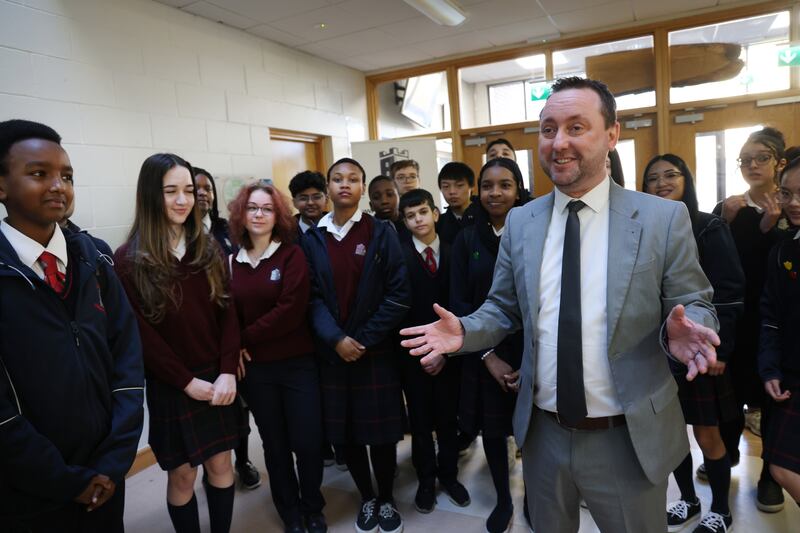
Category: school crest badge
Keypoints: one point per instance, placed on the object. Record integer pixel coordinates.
(275, 275)
(361, 249)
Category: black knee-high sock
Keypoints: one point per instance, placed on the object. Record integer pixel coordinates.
(358, 465)
(496, 450)
(184, 517)
(220, 508)
(719, 477)
(683, 477)
(384, 462)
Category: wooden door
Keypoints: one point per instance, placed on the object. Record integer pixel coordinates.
(638, 143)
(292, 153)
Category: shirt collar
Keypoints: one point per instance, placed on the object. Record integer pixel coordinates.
(302, 224)
(797, 235)
(420, 246)
(596, 199)
(180, 250)
(244, 257)
(207, 222)
(28, 250)
(328, 223)
(750, 203)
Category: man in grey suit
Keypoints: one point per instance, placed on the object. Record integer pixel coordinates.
(606, 285)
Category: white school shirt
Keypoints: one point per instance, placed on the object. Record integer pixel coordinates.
(420, 247)
(339, 233)
(601, 395)
(28, 250)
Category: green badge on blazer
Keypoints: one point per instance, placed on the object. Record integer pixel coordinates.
(476, 254)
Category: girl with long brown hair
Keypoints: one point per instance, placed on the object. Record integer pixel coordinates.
(176, 280)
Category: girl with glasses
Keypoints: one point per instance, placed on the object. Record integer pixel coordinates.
(754, 221)
(707, 400)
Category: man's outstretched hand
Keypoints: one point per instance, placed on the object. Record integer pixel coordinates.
(437, 338)
(691, 343)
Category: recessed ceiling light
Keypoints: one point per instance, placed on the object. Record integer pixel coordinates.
(320, 26)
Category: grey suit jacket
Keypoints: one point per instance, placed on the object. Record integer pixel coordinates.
(652, 266)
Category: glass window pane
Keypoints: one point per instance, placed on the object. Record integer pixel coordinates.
(729, 59)
(413, 106)
(499, 93)
(627, 67)
(627, 157)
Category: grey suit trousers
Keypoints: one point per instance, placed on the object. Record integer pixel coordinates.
(561, 466)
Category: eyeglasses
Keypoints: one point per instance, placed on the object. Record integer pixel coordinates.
(253, 210)
(316, 197)
(785, 196)
(670, 176)
(760, 159)
(407, 179)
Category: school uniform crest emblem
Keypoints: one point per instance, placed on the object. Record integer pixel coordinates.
(275, 275)
(361, 249)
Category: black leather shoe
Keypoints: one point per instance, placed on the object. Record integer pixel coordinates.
(248, 475)
(456, 492)
(295, 527)
(425, 500)
(500, 519)
(315, 523)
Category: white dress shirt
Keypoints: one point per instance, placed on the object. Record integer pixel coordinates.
(28, 250)
(207, 222)
(601, 396)
(180, 250)
(420, 247)
(339, 232)
(244, 257)
(302, 225)
(498, 232)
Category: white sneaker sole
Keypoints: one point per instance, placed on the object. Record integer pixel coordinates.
(691, 521)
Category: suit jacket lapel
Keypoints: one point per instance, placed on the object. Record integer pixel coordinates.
(533, 247)
(624, 233)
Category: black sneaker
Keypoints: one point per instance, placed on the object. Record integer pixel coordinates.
(248, 475)
(328, 458)
(294, 527)
(715, 523)
(315, 523)
(681, 513)
(770, 496)
(500, 519)
(367, 520)
(702, 475)
(425, 500)
(456, 492)
(389, 519)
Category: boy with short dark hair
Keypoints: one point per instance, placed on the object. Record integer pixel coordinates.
(456, 180)
(405, 175)
(431, 391)
(310, 198)
(384, 200)
(71, 388)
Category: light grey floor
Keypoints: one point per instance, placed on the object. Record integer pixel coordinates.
(146, 509)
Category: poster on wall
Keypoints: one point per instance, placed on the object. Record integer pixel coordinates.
(377, 157)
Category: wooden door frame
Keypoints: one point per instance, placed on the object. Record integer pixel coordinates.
(323, 145)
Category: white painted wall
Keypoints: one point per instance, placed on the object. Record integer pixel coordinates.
(123, 79)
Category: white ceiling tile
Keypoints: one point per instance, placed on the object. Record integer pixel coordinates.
(517, 32)
(647, 9)
(418, 29)
(455, 44)
(397, 56)
(360, 64)
(598, 17)
(279, 36)
(354, 44)
(176, 3)
(553, 7)
(218, 14)
(270, 10)
(377, 12)
(337, 22)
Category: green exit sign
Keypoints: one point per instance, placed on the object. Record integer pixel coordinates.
(540, 91)
(789, 57)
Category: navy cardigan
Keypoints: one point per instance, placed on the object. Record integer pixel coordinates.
(383, 296)
(71, 382)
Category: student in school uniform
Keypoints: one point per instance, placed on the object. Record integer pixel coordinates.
(384, 200)
(456, 180)
(500, 148)
(217, 226)
(177, 281)
(488, 378)
(431, 391)
(71, 385)
(757, 225)
(310, 198)
(270, 288)
(708, 399)
(779, 350)
(360, 293)
(405, 174)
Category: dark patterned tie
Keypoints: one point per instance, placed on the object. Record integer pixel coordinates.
(430, 262)
(52, 276)
(571, 397)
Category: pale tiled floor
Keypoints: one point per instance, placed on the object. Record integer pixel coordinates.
(146, 509)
